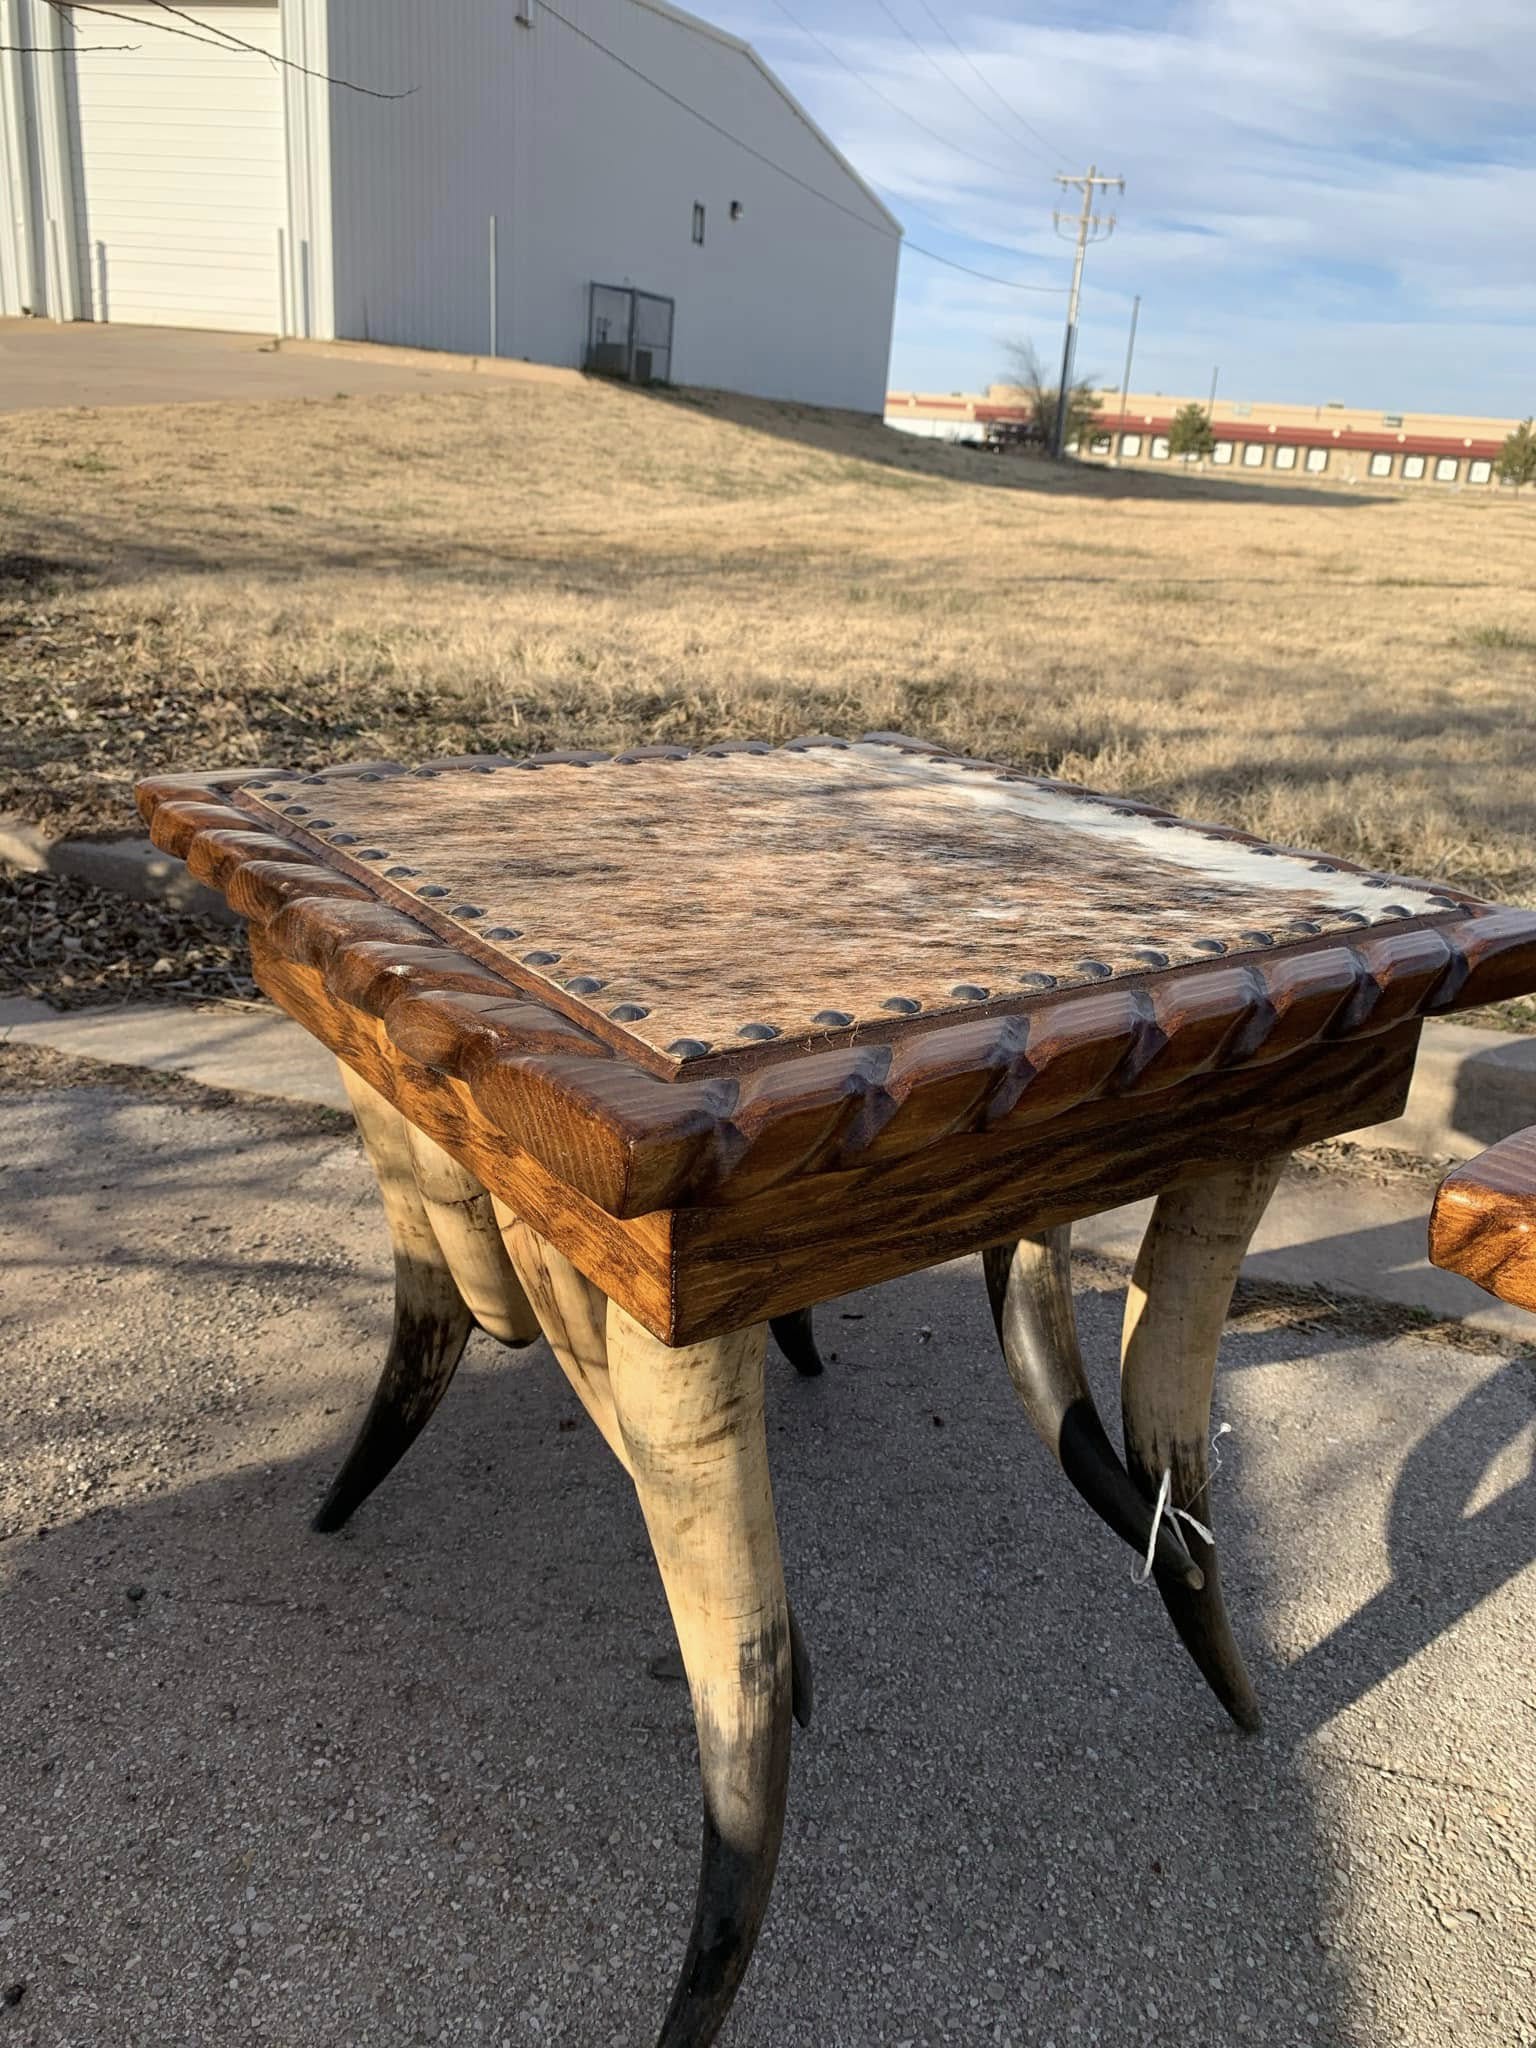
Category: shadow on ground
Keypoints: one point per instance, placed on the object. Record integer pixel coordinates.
(863, 439)
(417, 1784)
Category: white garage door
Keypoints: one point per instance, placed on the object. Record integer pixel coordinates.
(180, 186)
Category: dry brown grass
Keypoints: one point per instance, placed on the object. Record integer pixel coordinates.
(544, 565)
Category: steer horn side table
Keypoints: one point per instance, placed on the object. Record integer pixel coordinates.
(650, 1050)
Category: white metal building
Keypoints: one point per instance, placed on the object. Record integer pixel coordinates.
(156, 171)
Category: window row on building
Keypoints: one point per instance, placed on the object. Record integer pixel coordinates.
(1442, 469)
(1446, 470)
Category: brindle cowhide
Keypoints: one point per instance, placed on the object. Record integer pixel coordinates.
(687, 907)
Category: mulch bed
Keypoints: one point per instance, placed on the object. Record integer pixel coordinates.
(75, 947)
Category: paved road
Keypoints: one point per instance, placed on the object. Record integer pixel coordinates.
(44, 364)
(416, 1784)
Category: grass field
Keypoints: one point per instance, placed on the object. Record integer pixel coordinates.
(555, 562)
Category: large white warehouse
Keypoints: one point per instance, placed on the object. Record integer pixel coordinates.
(604, 182)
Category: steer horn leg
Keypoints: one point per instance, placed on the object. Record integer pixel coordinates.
(464, 1223)
(795, 1335)
(432, 1322)
(1175, 1310)
(692, 1421)
(1030, 1286)
(574, 1315)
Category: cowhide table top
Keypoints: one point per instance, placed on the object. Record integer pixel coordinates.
(688, 908)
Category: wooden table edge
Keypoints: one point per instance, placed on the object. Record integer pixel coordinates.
(634, 1144)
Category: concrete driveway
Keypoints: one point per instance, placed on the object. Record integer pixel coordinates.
(417, 1783)
(45, 364)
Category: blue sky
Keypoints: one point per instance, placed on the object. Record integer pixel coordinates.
(1329, 199)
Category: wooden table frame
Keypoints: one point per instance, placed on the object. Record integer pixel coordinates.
(1483, 1224)
(534, 1180)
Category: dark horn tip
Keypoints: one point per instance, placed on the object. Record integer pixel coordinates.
(795, 1335)
(332, 1515)
(1173, 1559)
(1206, 1634)
(803, 1685)
(1089, 1461)
(1242, 1709)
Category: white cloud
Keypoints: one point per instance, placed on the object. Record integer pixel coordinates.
(1319, 191)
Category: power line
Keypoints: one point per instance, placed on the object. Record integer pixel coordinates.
(220, 40)
(68, 49)
(667, 94)
(895, 106)
(978, 241)
(971, 65)
(1055, 291)
(891, 234)
(910, 205)
(953, 84)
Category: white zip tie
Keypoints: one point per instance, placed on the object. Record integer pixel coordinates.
(1140, 1575)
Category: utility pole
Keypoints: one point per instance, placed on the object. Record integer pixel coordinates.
(1087, 226)
(1210, 409)
(1130, 350)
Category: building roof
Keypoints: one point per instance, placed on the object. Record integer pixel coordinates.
(1304, 426)
(1311, 435)
(743, 48)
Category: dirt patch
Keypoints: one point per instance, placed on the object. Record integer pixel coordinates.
(1260, 1305)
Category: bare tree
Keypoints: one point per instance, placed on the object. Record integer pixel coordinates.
(1042, 393)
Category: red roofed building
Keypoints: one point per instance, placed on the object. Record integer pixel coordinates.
(1342, 443)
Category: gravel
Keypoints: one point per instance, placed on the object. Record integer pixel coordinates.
(417, 1784)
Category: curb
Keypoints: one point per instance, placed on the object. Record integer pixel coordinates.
(514, 369)
(1471, 1086)
(129, 867)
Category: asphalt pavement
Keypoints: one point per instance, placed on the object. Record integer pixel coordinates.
(418, 1784)
(46, 363)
